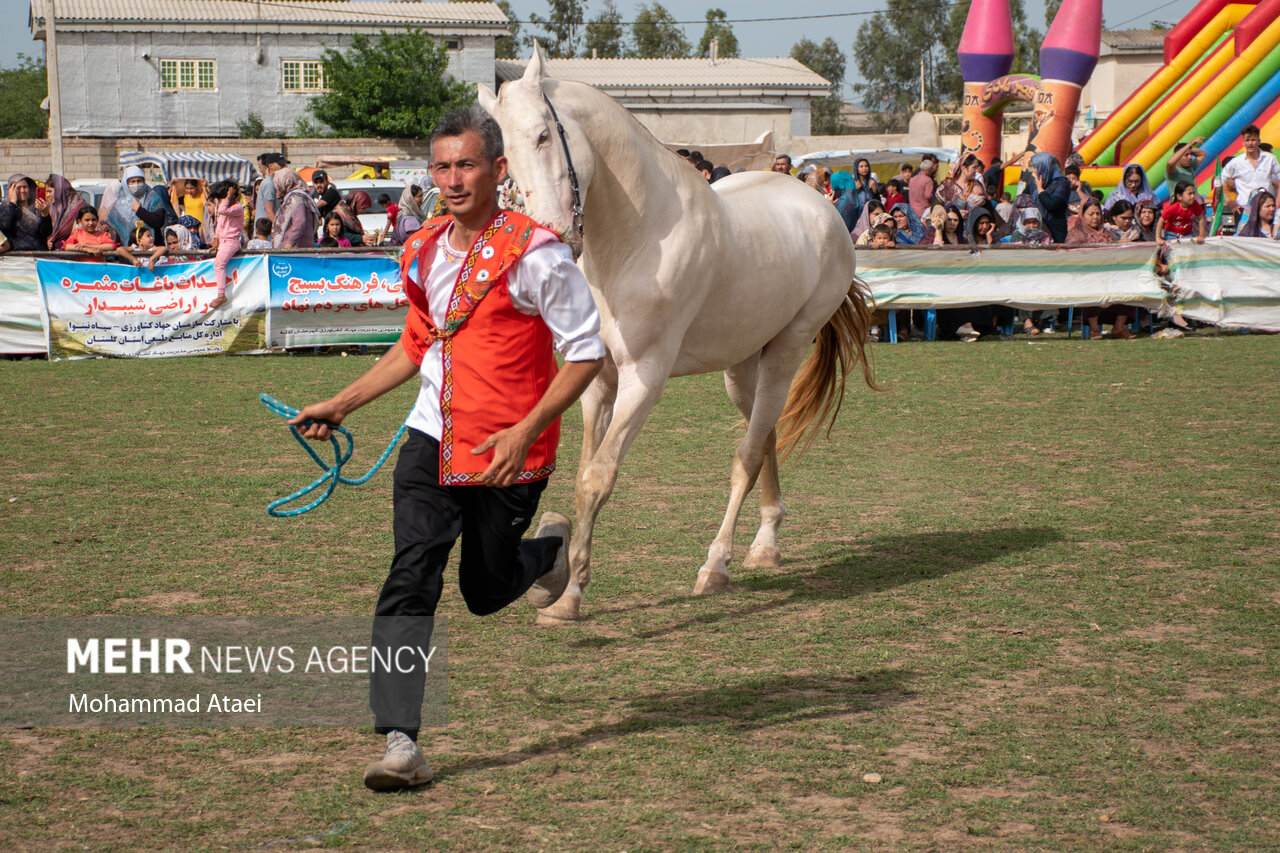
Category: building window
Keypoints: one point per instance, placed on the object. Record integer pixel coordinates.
(452, 44)
(187, 74)
(303, 75)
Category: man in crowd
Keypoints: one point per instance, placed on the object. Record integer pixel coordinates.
(268, 164)
(1183, 163)
(326, 194)
(782, 164)
(920, 189)
(490, 292)
(1253, 171)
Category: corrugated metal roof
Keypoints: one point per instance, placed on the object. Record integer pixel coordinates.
(1134, 39)
(308, 11)
(778, 72)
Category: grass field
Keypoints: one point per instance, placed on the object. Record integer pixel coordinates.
(1035, 588)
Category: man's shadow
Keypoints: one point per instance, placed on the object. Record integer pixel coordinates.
(755, 702)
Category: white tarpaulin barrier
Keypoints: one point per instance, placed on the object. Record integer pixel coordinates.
(1017, 276)
(22, 324)
(1228, 281)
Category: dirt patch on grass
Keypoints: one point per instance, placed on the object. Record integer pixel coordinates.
(161, 600)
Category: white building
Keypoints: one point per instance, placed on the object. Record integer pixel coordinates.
(700, 100)
(198, 67)
(1126, 59)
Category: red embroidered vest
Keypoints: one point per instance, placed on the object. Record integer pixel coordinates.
(498, 361)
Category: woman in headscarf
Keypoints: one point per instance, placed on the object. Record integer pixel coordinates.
(1088, 228)
(1029, 231)
(865, 185)
(65, 205)
(881, 218)
(1118, 222)
(869, 211)
(1134, 188)
(911, 231)
(847, 204)
(960, 183)
(1050, 191)
(297, 217)
(132, 201)
(411, 216)
(951, 232)
(1262, 214)
(349, 210)
(980, 227)
(24, 216)
(179, 245)
(1145, 221)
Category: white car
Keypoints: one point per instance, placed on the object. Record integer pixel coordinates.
(375, 218)
(92, 189)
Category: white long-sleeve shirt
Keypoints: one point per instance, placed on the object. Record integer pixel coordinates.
(544, 282)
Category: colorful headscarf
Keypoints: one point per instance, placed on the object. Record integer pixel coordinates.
(915, 229)
(65, 205)
(1122, 192)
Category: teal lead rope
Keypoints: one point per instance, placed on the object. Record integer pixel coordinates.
(332, 473)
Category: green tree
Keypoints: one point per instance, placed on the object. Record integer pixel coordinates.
(22, 89)
(656, 35)
(827, 60)
(562, 28)
(606, 37)
(890, 47)
(506, 47)
(718, 28)
(398, 87)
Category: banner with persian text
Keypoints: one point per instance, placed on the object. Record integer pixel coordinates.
(98, 309)
(344, 299)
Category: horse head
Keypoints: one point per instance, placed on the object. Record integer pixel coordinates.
(542, 160)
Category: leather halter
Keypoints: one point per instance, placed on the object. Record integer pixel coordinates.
(573, 175)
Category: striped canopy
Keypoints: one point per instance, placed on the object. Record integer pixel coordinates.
(193, 164)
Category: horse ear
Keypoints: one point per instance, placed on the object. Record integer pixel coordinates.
(533, 72)
(487, 99)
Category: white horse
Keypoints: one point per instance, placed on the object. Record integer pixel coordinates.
(740, 277)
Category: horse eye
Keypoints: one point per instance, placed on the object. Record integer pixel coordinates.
(544, 138)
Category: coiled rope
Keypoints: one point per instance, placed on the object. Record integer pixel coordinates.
(332, 475)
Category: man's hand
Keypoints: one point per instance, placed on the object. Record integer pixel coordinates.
(510, 447)
(320, 420)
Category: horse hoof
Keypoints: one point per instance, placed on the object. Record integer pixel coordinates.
(566, 609)
(763, 557)
(710, 583)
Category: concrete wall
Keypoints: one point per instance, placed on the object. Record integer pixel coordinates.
(108, 88)
(714, 127)
(1116, 77)
(98, 157)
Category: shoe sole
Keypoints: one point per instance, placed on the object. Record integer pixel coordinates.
(378, 778)
(541, 595)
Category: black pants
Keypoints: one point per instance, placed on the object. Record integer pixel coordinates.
(496, 567)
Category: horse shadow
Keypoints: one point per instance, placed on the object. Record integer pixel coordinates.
(866, 567)
(756, 702)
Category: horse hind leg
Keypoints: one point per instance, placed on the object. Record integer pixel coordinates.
(739, 383)
(775, 368)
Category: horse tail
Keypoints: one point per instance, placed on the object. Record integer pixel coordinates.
(818, 389)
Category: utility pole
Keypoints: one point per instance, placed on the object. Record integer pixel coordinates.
(55, 101)
(922, 84)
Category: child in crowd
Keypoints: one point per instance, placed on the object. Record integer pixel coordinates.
(334, 233)
(86, 238)
(393, 212)
(144, 241)
(1181, 216)
(882, 237)
(261, 241)
(229, 225)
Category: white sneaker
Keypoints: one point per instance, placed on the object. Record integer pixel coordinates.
(404, 766)
(547, 589)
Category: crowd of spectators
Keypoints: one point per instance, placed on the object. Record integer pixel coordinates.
(148, 224)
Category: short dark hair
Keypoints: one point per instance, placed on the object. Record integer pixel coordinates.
(882, 229)
(683, 152)
(929, 156)
(1251, 129)
(262, 226)
(474, 119)
(696, 156)
(87, 209)
(1073, 169)
(706, 165)
(219, 190)
(786, 157)
(384, 199)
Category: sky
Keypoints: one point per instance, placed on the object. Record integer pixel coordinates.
(760, 39)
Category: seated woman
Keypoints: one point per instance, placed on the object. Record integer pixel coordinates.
(1134, 188)
(869, 212)
(24, 216)
(65, 205)
(969, 324)
(952, 231)
(1118, 222)
(911, 231)
(1088, 230)
(179, 246)
(1029, 229)
(1261, 221)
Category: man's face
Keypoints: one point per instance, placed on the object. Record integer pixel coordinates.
(1188, 160)
(781, 166)
(320, 185)
(1251, 143)
(264, 168)
(468, 182)
(1074, 180)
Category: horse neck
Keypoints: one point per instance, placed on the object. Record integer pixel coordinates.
(635, 176)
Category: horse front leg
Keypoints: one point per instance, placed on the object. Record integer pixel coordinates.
(776, 367)
(637, 393)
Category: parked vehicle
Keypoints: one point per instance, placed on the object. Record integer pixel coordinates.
(375, 218)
